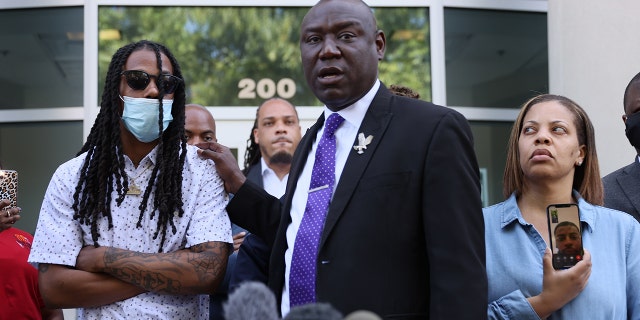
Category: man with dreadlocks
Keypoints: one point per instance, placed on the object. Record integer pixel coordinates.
(135, 226)
(272, 141)
(275, 136)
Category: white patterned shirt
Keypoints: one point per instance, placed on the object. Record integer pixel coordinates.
(59, 238)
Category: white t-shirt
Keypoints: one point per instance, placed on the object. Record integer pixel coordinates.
(59, 238)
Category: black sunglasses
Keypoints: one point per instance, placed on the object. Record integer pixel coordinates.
(139, 80)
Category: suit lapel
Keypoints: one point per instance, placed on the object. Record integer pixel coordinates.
(255, 174)
(299, 160)
(375, 123)
(629, 183)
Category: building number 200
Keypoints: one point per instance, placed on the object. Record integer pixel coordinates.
(266, 88)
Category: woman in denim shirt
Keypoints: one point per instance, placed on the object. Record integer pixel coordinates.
(552, 159)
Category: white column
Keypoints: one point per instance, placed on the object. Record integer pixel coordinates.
(593, 53)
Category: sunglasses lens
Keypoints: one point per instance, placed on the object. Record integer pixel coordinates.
(137, 80)
(169, 83)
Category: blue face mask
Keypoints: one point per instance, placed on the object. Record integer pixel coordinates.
(140, 116)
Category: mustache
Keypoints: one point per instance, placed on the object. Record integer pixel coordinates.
(282, 139)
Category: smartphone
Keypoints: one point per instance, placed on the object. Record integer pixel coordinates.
(9, 186)
(565, 234)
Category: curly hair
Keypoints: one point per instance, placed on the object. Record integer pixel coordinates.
(404, 91)
(103, 165)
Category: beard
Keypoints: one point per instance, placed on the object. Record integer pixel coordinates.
(281, 157)
(571, 251)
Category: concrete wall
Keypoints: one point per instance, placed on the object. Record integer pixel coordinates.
(593, 53)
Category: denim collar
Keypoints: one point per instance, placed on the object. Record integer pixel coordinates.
(510, 212)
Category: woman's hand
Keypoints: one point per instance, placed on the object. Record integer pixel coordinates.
(8, 215)
(560, 286)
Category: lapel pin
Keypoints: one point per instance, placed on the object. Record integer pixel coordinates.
(362, 143)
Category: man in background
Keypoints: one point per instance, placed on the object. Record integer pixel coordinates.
(200, 126)
(622, 187)
(274, 137)
(404, 91)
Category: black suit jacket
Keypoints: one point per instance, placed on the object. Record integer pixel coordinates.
(252, 263)
(255, 174)
(404, 235)
(622, 189)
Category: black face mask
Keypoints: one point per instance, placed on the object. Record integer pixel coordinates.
(633, 129)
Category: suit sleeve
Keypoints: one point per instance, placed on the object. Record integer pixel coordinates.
(453, 223)
(252, 263)
(256, 210)
(616, 196)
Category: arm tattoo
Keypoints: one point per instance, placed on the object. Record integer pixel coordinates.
(210, 264)
(168, 273)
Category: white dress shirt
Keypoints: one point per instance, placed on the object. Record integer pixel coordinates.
(345, 137)
(272, 184)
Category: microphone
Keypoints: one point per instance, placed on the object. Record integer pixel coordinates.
(251, 300)
(314, 311)
(362, 315)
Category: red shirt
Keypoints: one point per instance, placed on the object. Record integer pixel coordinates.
(19, 294)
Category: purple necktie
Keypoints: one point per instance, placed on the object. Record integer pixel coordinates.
(302, 279)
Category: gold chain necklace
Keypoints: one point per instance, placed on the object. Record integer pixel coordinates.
(133, 186)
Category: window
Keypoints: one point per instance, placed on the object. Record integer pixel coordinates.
(495, 59)
(491, 139)
(41, 58)
(239, 56)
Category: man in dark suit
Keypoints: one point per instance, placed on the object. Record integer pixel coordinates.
(274, 137)
(622, 187)
(199, 127)
(404, 234)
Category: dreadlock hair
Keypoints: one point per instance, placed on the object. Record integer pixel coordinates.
(252, 155)
(104, 162)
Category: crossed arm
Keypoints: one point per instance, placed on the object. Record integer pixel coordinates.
(106, 275)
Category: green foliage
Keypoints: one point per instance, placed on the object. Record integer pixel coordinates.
(219, 46)
(407, 60)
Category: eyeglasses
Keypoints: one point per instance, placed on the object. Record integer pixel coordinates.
(139, 80)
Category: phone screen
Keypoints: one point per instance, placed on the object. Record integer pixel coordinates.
(9, 186)
(565, 234)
